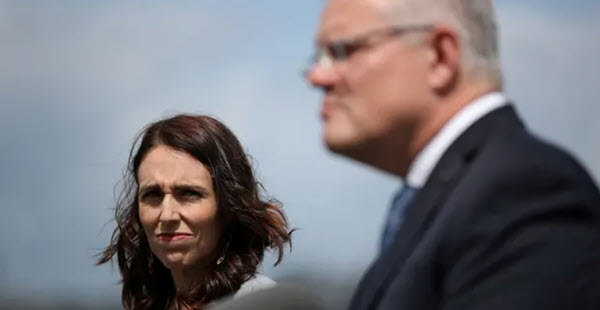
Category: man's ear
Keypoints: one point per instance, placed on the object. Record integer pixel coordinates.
(444, 59)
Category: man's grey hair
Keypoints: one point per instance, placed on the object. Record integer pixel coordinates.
(473, 20)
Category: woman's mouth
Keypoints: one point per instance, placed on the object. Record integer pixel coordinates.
(172, 236)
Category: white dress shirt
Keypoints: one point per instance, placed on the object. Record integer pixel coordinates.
(421, 167)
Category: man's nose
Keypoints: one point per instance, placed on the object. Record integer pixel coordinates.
(321, 76)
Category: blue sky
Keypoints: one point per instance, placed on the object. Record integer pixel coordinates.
(78, 80)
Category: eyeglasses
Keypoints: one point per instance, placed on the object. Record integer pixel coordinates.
(340, 50)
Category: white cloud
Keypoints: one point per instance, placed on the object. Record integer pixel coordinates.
(116, 48)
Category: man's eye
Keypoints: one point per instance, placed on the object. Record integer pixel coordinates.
(351, 48)
(337, 50)
(342, 50)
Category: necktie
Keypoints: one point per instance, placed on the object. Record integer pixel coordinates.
(396, 216)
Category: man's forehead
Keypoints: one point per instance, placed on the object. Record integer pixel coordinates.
(344, 17)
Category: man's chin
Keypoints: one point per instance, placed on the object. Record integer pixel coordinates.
(350, 147)
(334, 143)
(341, 145)
(335, 148)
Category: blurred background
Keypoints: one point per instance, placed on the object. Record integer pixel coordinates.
(79, 79)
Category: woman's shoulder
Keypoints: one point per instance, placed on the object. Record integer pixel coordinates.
(256, 283)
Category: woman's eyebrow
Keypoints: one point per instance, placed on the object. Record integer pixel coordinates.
(148, 187)
(181, 187)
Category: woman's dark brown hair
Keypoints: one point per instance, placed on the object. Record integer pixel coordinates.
(251, 224)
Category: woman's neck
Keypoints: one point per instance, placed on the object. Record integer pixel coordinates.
(179, 306)
(185, 279)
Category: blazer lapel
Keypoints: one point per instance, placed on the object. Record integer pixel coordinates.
(423, 210)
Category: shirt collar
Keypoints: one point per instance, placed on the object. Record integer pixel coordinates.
(421, 167)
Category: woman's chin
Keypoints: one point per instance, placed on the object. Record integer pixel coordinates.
(180, 262)
(175, 261)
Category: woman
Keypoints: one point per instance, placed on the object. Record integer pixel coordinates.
(191, 226)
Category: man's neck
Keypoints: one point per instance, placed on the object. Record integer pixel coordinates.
(428, 157)
(445, 109)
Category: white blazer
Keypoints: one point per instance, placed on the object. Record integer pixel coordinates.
(256, 283)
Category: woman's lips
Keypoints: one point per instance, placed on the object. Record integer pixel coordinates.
(172, 236)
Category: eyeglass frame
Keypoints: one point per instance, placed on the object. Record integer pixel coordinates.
(340, 50)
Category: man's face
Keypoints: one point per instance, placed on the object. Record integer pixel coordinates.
(375, 98)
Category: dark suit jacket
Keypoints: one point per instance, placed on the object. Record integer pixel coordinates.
(505, 221)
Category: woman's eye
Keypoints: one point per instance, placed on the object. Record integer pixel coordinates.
(191, 194)
(151, 195)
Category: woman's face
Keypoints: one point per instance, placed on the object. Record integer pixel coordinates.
(178, 208)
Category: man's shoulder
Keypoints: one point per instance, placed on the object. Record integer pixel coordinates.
(517, 174)
(520, 156)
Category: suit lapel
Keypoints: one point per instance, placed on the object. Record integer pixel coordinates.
(421, 212)
(426, 205)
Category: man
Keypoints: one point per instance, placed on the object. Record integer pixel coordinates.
(491, 217)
